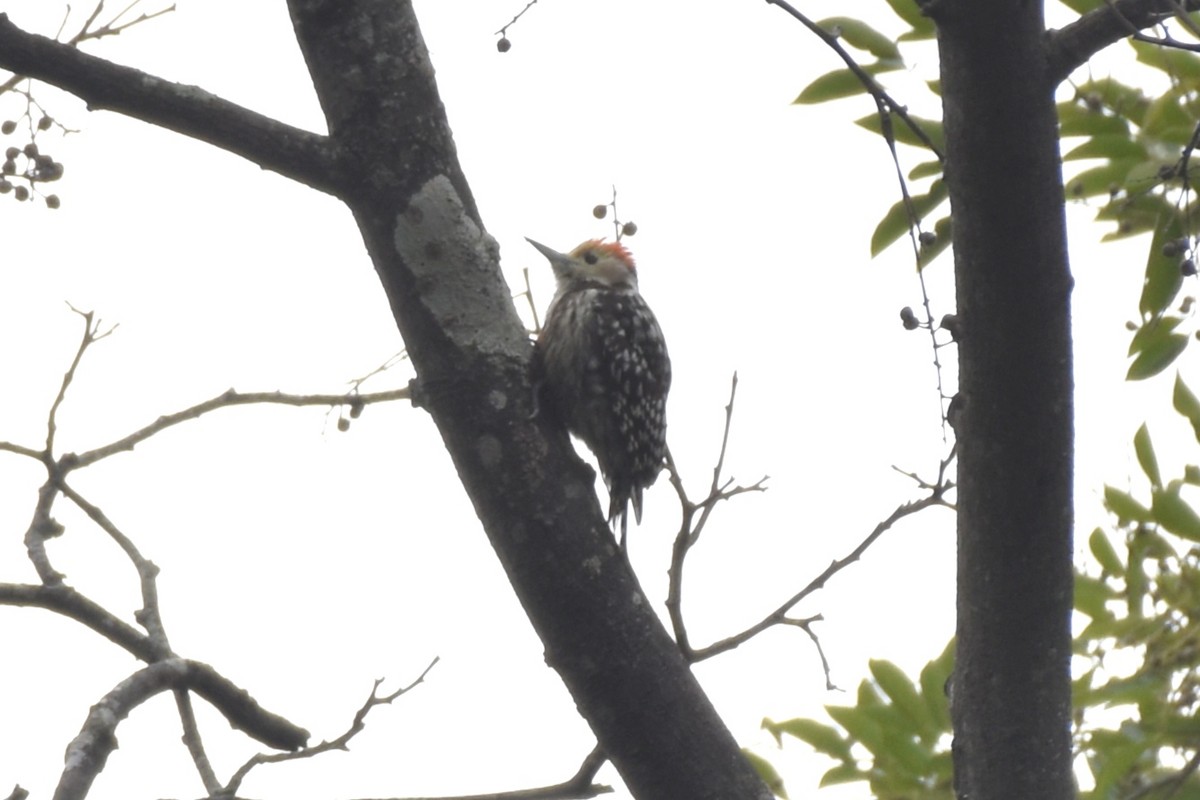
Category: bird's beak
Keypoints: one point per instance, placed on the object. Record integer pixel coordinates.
(561, 262)
(549, 253)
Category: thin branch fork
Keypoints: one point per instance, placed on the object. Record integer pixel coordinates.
(690, 527)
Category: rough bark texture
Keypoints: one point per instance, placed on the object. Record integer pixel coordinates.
(1011, 693)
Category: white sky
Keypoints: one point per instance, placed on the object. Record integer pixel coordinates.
(303, 563)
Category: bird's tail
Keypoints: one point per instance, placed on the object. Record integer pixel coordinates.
(619, 500)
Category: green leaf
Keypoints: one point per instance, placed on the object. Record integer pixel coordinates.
(842, 773)
(1114, 761)
(1158, 354)
(861, 726)
(1125, 507)
(1145, 456)
(1187, 404)
(820, 737)
(1163, 278)
(1106, 555)
(1151, 332)
(925, 169)
(1109, 146)
(839, 83)
(930, 127)
(896, 221)
(910, 12)
(1100, 180)
(1079, 119)
(1092, 595)
(862, 36)
(1167, 118)
(900, 689)
(1176, 515)
(1135, 214)
(1179, 64)
(1082, 6)
(1122, 101)
(1191, 475)
(934, 676)
(767, 772)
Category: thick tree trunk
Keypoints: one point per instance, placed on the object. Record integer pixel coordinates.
(534, 496)
(1011, 693)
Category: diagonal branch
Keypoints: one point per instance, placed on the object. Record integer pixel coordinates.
(292, 152)
(780, 615)
(88, 752)
(69, 602)
(1072, 45)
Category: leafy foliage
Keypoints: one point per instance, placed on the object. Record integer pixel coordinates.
(1136, 692)
(1131, 155)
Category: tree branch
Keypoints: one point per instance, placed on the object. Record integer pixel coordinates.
(779, 615)
(88, 752)
(227, 399)
(69, 602)
(1072, 45)
(294, 153)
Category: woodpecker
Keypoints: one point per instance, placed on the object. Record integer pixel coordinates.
(601, 368)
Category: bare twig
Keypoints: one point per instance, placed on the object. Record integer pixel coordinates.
(91, 334)
(887, 107)
(43, 526)
(149, 616)
(114, 26)
(520, 14)
(229, 399)
(806, 626)
(779, 615)
(691, 527)
(194, 744)
(340, 743)
(577, 787)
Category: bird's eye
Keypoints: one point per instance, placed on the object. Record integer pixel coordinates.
(590, 257)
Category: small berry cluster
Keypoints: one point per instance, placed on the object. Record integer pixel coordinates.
(28, 164)
(623, 228)
(1181, 249)
(949, 323)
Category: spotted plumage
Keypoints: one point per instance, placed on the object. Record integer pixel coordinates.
(601, 368)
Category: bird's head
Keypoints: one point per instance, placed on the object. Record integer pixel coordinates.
(594, 261)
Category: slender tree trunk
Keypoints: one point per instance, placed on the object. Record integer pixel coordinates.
(1011, 693)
